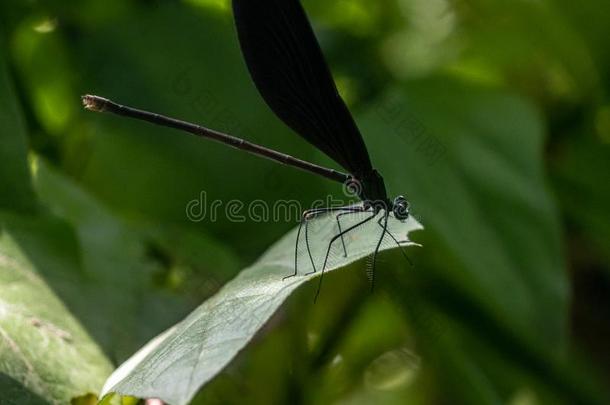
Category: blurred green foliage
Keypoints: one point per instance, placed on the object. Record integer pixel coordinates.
(492, 117)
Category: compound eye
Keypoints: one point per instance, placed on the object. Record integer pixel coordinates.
(401, 208)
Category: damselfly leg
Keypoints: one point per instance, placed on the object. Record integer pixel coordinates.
(330, 244)
(398, 243)
(305, 218)
(343, 211)
(384, 227)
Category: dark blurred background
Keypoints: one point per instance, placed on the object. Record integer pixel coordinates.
(493, 117)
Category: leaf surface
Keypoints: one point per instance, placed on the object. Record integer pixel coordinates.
(47, 357)
(178, 362)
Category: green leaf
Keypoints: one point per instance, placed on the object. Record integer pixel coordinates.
(584, 194)
(15, 185)
(471, 161)
(100, 269)
(178, 362)
(47, 357)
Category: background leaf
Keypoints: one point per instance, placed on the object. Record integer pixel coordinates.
(94, 268)
(471, 155)
(15, 188)
(47, 357)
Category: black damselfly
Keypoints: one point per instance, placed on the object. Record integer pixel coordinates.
(288, 68)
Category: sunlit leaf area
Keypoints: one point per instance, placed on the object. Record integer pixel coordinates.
(140, 265)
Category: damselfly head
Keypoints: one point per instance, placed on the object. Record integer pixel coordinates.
(401, 208)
